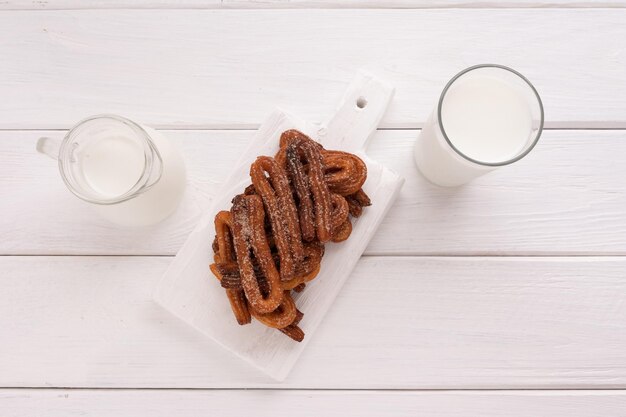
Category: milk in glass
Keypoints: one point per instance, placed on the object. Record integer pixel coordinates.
(489, 121)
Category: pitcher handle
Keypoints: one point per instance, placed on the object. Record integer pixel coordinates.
(49, 147)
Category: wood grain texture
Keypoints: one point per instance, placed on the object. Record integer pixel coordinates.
(296, 4)
(566, 197)
(398, 323)
(271, 403)
(182, 68)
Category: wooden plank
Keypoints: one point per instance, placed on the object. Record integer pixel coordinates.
(182, 68)
(566, 197)
(269, 403)
(399, 323)
(297, 4)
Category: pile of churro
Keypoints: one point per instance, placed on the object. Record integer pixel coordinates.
(271, 242)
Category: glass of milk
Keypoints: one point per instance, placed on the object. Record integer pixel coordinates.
(132, 175)
(488, 116)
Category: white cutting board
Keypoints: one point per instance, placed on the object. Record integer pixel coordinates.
(191, 292)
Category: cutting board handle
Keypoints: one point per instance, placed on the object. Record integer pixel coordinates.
(359, 113)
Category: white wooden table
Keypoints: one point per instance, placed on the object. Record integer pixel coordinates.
(506, 297)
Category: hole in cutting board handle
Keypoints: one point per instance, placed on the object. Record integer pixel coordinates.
(361, 102)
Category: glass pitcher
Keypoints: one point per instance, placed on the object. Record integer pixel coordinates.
(131, 174)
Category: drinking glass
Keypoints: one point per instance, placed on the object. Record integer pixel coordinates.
(488, 116)
(131, 174)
